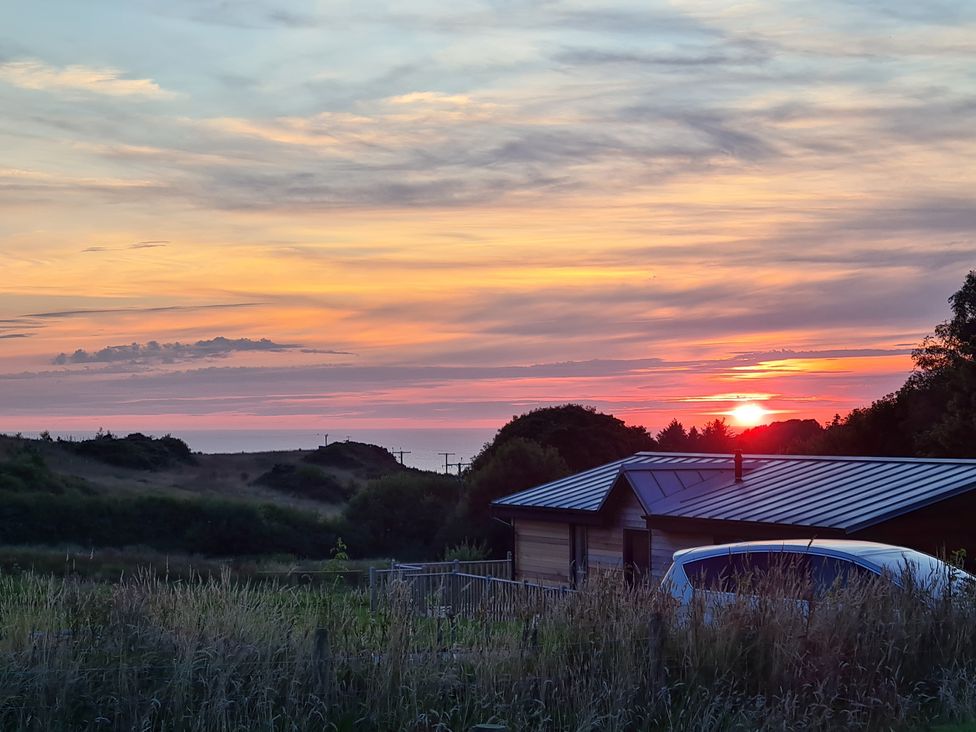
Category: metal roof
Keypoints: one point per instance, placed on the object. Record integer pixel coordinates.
(844, 493)
(588, 490)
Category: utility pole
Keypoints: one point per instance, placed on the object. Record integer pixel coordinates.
(326, 442)
(459, 466)
(447, 464)
(400, 453)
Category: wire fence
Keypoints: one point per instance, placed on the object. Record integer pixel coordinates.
(500, 568)
(454, 593)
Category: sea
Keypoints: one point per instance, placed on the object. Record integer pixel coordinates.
(422, 448)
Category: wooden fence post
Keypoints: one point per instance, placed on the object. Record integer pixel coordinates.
(511, 565)
(655, 648)
(322, 661)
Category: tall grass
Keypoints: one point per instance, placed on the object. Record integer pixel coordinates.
(216, 654)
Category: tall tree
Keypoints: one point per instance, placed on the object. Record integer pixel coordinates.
(954, 342)
(942, 389)
(716, 437)
(582, 436)
(934, 413)
(673, 438)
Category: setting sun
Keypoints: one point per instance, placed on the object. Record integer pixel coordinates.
(748, 415)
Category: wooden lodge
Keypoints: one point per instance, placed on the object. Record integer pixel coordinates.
(635, 513)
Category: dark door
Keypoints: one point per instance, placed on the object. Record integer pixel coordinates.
(637, 553)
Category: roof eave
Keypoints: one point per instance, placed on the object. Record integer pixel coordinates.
(730, 526)
(545, 513)
(911, 508)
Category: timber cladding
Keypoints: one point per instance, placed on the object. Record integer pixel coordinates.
(665, 543)
(605, 547)
(542, 551)
(606, 543)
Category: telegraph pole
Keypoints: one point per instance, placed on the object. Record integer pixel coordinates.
(459, 466)
(400, 453)
(447, 464)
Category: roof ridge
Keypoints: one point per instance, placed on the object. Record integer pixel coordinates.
(801, 458)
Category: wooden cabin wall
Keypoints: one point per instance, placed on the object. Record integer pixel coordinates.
(542, 551)
(605, 547)
(665, 543)
(939, 529)
(605, 544)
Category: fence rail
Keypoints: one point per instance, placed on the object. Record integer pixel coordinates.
(461, 594)
(500, 568)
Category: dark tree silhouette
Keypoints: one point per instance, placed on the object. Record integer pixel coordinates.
(583, 437)
(788, 436)
(517, 464)
(673, 438)
(716, 436)
(934, 413)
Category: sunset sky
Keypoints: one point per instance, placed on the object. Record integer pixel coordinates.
(315, 215)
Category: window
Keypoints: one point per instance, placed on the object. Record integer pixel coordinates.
(790, 574)
(831, 573)
(728, 572)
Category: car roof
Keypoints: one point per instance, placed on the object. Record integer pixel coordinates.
(846, 547)
(870, 554)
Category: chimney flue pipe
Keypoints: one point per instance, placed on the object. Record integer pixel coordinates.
(738, 466)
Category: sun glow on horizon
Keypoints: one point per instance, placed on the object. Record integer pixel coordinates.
(749, 414)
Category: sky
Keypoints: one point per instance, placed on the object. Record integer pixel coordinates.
(260, 214)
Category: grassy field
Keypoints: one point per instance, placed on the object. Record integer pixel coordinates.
(219, 654)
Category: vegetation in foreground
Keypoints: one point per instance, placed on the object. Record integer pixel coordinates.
(215, 654)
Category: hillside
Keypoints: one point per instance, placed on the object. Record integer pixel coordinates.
(155, 493)
(255, 477)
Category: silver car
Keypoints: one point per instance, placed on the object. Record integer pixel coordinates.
(726, 571)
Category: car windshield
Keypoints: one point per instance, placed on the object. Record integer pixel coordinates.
(923, 570)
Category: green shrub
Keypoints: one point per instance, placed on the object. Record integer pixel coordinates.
(305, 481)
(401, 515)
(367, 461)
(466, 552)
(137, 451)
(207, 527)
(25, 471)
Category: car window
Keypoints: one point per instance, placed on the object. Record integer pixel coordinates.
(833, 573)
(789, 574)
(727, 572)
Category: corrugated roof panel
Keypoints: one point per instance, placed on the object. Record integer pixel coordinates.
(835, 492)
(804, 497)
(586, 491)
(855, 497)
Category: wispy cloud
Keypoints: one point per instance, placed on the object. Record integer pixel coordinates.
(154, 244)
(37, 75)
(153, 351)
(159, 309)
